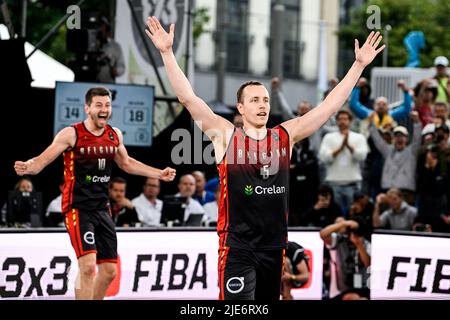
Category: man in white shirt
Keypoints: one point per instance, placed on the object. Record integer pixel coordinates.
(147, 206)
(53, 214)
(342, 152)
(186, 188)
(212, 210)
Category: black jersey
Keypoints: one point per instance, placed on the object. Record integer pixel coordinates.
(87, 169)
(254, 182)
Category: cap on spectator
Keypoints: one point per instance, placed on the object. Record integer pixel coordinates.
(441, 61)
(401, 129)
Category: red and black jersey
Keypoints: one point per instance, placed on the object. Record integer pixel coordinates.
(87, 169)
(254, 182)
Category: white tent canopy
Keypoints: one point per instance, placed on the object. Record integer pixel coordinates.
(45, 70)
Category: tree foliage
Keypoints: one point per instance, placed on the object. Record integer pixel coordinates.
(429, 16)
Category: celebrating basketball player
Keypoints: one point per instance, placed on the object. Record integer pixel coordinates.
(89, 148)
(253, 163)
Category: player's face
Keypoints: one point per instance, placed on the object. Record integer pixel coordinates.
(99, 111)
(255, 106)
(117, 191)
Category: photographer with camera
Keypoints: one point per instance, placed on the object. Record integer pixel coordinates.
(349, 258)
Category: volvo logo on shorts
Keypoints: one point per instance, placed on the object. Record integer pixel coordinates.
(89, 237)
(235, 284)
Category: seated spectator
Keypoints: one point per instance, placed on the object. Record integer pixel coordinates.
(212, 210)
(349, 259)
(296, 269)
(53, 214)
(325, 211)
(398, 216)
(186, 188)
(147, 204)
(201, 195)
(122, 209)
(400, 159)
(24, 184)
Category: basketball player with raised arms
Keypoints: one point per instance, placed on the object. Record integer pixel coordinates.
(253, 164)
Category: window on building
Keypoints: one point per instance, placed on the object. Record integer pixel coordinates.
(292, 46)
(237, 35)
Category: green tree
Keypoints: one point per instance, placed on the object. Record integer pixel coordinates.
(428, 16)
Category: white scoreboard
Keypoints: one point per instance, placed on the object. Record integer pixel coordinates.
(132, 109)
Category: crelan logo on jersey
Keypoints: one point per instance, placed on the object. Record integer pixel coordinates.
(249, 190)
(94, 179)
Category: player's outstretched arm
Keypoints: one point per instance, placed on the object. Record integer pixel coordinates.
(199, 110)
(62, 141)
(300, 128)
(133, 166)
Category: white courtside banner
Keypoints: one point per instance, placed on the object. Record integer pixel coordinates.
(153, 265)
(410, 267)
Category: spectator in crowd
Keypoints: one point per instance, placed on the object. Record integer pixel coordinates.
(382, 116)
(442, 78)
(400, 159)
(212, 184)
(111, 61)
(432, 182)
(325, 211)
(442, 136)
(343, 152)
(441, 110)
(212, 210)
(122, 209)
(24, 184)
(201, 195)
(425, 93)
(147, 204)
(53, 214)
(305, 167)
(302, 108)
(399, 215)
(365, 92)
(362, 208)
(349, 259)
(304, 181)
(332, 83)
(440, 118)
(186, 188)
(296, 269)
